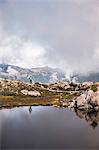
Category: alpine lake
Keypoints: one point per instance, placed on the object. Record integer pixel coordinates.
(48, 127)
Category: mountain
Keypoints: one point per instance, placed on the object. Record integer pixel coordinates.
(41, 74)
(94, 77)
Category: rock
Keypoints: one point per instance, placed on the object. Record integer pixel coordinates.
(86, 85)
(97, 88)
(83, 100)
(34, 93)
(89, 93)
(30, 93)
(59, 86)
(97, 84)
(97, 108)
(72, 104)
(24, 92)
(94, 99)
(88, 100)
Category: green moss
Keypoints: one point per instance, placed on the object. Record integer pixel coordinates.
(68, 96)
(94, 88)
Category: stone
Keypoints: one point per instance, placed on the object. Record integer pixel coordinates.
(72, 104)
(97, 84)
(24, 92)
(95, 99)
(82, 102)
(30, 93)
(34, 93)
(88, 84)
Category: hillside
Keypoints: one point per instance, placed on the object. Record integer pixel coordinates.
(43, 74)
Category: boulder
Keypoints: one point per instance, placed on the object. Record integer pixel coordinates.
(60, 86)
(82, 102)
(72, 104)
(24, 92)
(84, 99)
(97, 84)
(30, 93)
(86, 85)
(34, 93)
(94, 99)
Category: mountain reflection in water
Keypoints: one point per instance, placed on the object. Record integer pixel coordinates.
(41, 127)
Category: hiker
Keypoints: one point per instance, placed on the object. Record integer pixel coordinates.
(30, 79)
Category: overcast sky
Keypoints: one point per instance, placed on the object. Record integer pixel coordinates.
(57, 33)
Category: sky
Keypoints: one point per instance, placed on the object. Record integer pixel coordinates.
(55, 33)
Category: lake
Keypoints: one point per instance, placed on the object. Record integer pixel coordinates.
(45, 127)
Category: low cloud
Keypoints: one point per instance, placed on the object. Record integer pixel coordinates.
(62, 34)
(17, 51)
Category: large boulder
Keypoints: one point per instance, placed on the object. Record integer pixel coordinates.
(94, 99)
(88, 100)
(86, 85)
(24, 92)
(59, 86)
(30, 93)
(83, 100)
(34, 93)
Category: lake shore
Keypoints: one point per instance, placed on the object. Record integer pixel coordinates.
(83, 96)
(12, 101)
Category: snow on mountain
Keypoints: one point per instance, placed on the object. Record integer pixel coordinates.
(12, 72)
(54, 77)
(41, 74)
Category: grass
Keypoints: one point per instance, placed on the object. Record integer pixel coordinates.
(67, 96)
(13, 101)
(94, 88)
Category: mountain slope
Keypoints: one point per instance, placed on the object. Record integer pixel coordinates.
(43, 74)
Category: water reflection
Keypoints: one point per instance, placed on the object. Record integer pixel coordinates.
(30, 109)
(92, 117)
(48, 128)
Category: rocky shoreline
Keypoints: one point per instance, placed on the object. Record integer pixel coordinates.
(80, 96)
(83, 98)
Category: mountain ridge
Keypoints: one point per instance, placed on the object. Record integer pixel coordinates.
(41, 74)
(44, 74)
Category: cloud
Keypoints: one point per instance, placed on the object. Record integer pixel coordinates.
(14, 50)
(62, 34)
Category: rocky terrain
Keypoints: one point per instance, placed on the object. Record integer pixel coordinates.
(83, 96)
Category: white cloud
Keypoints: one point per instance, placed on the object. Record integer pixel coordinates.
(71, 31)
(14, 50)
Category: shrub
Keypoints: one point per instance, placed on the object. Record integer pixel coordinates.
(94, 88)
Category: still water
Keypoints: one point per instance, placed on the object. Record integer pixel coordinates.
(41, 127)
